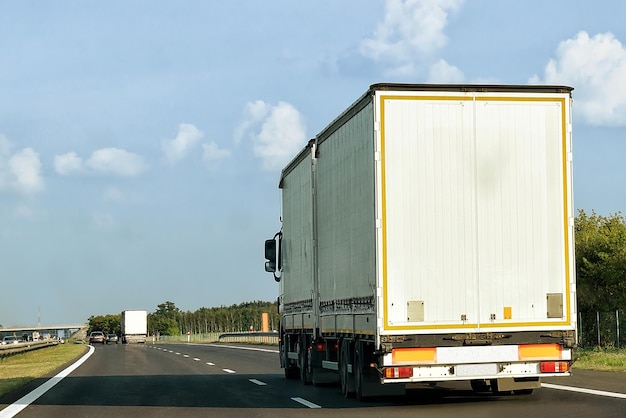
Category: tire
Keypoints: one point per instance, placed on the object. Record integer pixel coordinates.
(357, 370)
(311, 371)
(344, 377)
(302, 360)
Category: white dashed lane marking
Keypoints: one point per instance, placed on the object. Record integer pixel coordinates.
(306, 403)
(229, 371)
(258, 382)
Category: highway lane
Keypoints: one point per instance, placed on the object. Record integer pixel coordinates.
(167, 380)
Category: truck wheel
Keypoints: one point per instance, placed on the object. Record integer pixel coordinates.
(344, 377)
(357, 370)
(311, 372)
(302, 367)
(302, 360)
(347, 384)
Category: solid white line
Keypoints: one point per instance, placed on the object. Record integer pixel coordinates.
(583, 390)
(15, 408)
(306, 403)
(258, 382)
(229, 371)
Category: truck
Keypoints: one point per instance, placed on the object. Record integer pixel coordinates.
(427, 236)
(134, 326)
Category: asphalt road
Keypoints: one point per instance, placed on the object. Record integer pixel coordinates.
(179, 380)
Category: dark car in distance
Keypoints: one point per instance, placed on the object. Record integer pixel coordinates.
(112, 338)
(96, 337)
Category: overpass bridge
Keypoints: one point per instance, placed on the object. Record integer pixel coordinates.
(52, 329)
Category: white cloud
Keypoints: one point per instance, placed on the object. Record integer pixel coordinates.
(277, 132)
(212, 152)
(596, 68)
(24, 172)
(67, 163)
(19, 172)
(411, 32)
(116, 161)
(254, 112)
(177, 148)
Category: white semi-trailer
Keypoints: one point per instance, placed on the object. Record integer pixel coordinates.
(427, 236)
(134, 326)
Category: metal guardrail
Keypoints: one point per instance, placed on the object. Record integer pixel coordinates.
(11, 349)
(250, 337)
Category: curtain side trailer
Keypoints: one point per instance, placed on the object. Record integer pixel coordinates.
(427, 236)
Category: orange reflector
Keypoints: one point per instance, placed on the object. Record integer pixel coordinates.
(508, 312)
(398, 372)
(554, 366)
(540, 352)
(414, 355)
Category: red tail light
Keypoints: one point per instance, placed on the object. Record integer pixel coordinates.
(554, 366)
(398, 372)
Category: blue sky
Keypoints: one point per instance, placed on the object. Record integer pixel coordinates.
(141, 142)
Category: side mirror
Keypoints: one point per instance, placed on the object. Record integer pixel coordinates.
(273, 255)
(270, 255)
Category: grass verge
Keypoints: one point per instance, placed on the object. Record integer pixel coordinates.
(20, 369)
(601, 359)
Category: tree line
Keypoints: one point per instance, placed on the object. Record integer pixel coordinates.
(600, 261)
(167, 319)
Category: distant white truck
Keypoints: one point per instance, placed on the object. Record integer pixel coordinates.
(134, 326)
